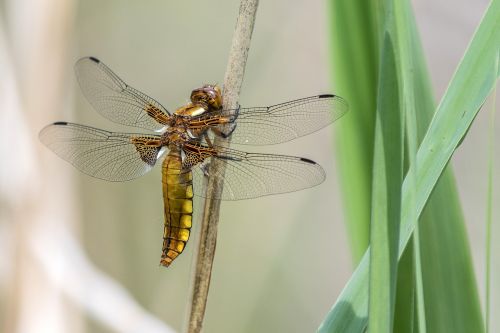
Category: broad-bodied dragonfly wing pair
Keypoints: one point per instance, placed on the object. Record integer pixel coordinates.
(125, 156)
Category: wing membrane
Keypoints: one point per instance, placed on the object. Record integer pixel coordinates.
(251, 175)
(116, 100)
(286, 121)
(102, 154)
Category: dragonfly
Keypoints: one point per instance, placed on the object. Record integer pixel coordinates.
(184, 141)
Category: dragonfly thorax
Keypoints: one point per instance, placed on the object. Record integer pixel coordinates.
(191, 110)
(176, 135)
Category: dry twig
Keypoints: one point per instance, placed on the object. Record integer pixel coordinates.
(208, 233)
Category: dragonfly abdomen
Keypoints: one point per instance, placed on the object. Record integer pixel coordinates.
(178, 206)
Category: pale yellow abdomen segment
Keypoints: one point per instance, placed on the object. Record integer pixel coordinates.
(178, 203)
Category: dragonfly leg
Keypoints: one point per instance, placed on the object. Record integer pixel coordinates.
(205, 167)
(237, 112)
(207, 139)
(226, 132)
(230, 124)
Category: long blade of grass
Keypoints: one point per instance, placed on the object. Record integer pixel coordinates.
(387, 180)
(407, 41)
(463, 99)
(489, 206)
(381, 311)
(466, 93)
(404, 314)
(451, 304)
(355, 65)
(419, 285)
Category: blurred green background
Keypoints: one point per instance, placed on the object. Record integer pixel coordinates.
(282, 260)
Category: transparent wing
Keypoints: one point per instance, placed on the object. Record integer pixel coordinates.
(115, 100)
(252, 175)
(286, 121)
(102, 154)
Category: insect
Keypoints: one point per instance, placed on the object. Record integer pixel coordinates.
(186, 137)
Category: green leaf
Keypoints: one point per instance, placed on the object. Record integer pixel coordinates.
(407, 43)
(467, 91)
(405, 296)
(355, 64)
(450, 304)
(489, 206)
(387, 180)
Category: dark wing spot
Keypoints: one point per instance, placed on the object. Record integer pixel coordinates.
(95, 60)
(60, 123)
(148, 149)
(148, 155)
(326, 96)
(307, 160)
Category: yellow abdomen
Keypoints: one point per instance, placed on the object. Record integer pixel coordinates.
(178, 202)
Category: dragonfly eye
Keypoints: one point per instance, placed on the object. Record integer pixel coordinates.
(198, 96)
(209, 95)
(214, 94)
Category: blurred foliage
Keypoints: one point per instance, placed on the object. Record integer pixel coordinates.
(451, 300)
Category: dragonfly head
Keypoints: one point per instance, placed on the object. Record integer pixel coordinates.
(209, 95)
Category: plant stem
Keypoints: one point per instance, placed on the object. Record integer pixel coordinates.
(208, 233)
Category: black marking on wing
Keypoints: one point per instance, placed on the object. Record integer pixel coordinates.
(307, 160)
(101, 154)
(286, 121)
(251, 175)
(115, 99)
